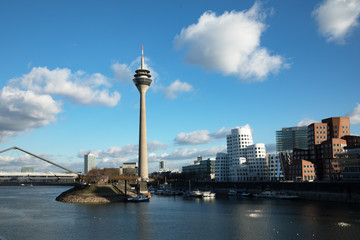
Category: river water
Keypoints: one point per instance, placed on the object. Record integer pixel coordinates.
(32, 213)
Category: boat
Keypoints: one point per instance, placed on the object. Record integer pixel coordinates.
(152, 190)
(239, 193)
(208, 194)
(201, 194)
(159, 192)
(287, 197)
(232, 192)
(275, 195)
(265, 194)
(246, 195)
(196, 194)
(139, 198)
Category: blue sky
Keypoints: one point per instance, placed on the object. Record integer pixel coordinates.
(67, 68)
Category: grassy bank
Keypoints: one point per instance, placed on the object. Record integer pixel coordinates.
(92, 194)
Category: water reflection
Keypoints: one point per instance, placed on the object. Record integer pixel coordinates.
(142, 220)
(40, 217)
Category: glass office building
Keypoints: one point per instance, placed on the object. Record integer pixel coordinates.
(293, 137)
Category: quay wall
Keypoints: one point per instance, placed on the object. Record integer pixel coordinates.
(329, 191)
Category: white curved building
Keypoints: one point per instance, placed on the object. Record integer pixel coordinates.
(244, 161)
(257, 162)
(238, 141)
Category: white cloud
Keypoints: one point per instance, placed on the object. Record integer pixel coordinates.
(116, 155)
(74, 166)
(227, 131)
(230, 44)
(270, 147)
(14, 164)
(122, 72)
(156, 145)
(203, 136)
(24, 111)
(306, 122)
(186, 153)
(337, 18)
(14, 160)
(27, 102)
(221, 133)
(176, 88)
(122, 153)
(193, 138)
(79, 87)
(354, 115)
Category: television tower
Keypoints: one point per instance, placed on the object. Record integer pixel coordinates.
(142, 80)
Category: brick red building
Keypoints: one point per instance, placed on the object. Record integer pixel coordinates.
(325, 140)
(301, 169)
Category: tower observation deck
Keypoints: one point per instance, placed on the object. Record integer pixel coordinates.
(142, 81)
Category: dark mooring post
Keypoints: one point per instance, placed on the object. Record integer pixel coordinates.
(125, 189)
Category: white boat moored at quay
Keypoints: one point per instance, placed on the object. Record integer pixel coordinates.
(139, 198)
(275, 195)
(209, 194)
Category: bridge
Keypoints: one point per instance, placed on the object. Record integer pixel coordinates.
(41, 158)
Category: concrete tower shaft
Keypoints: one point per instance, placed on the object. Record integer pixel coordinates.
(142, 81)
